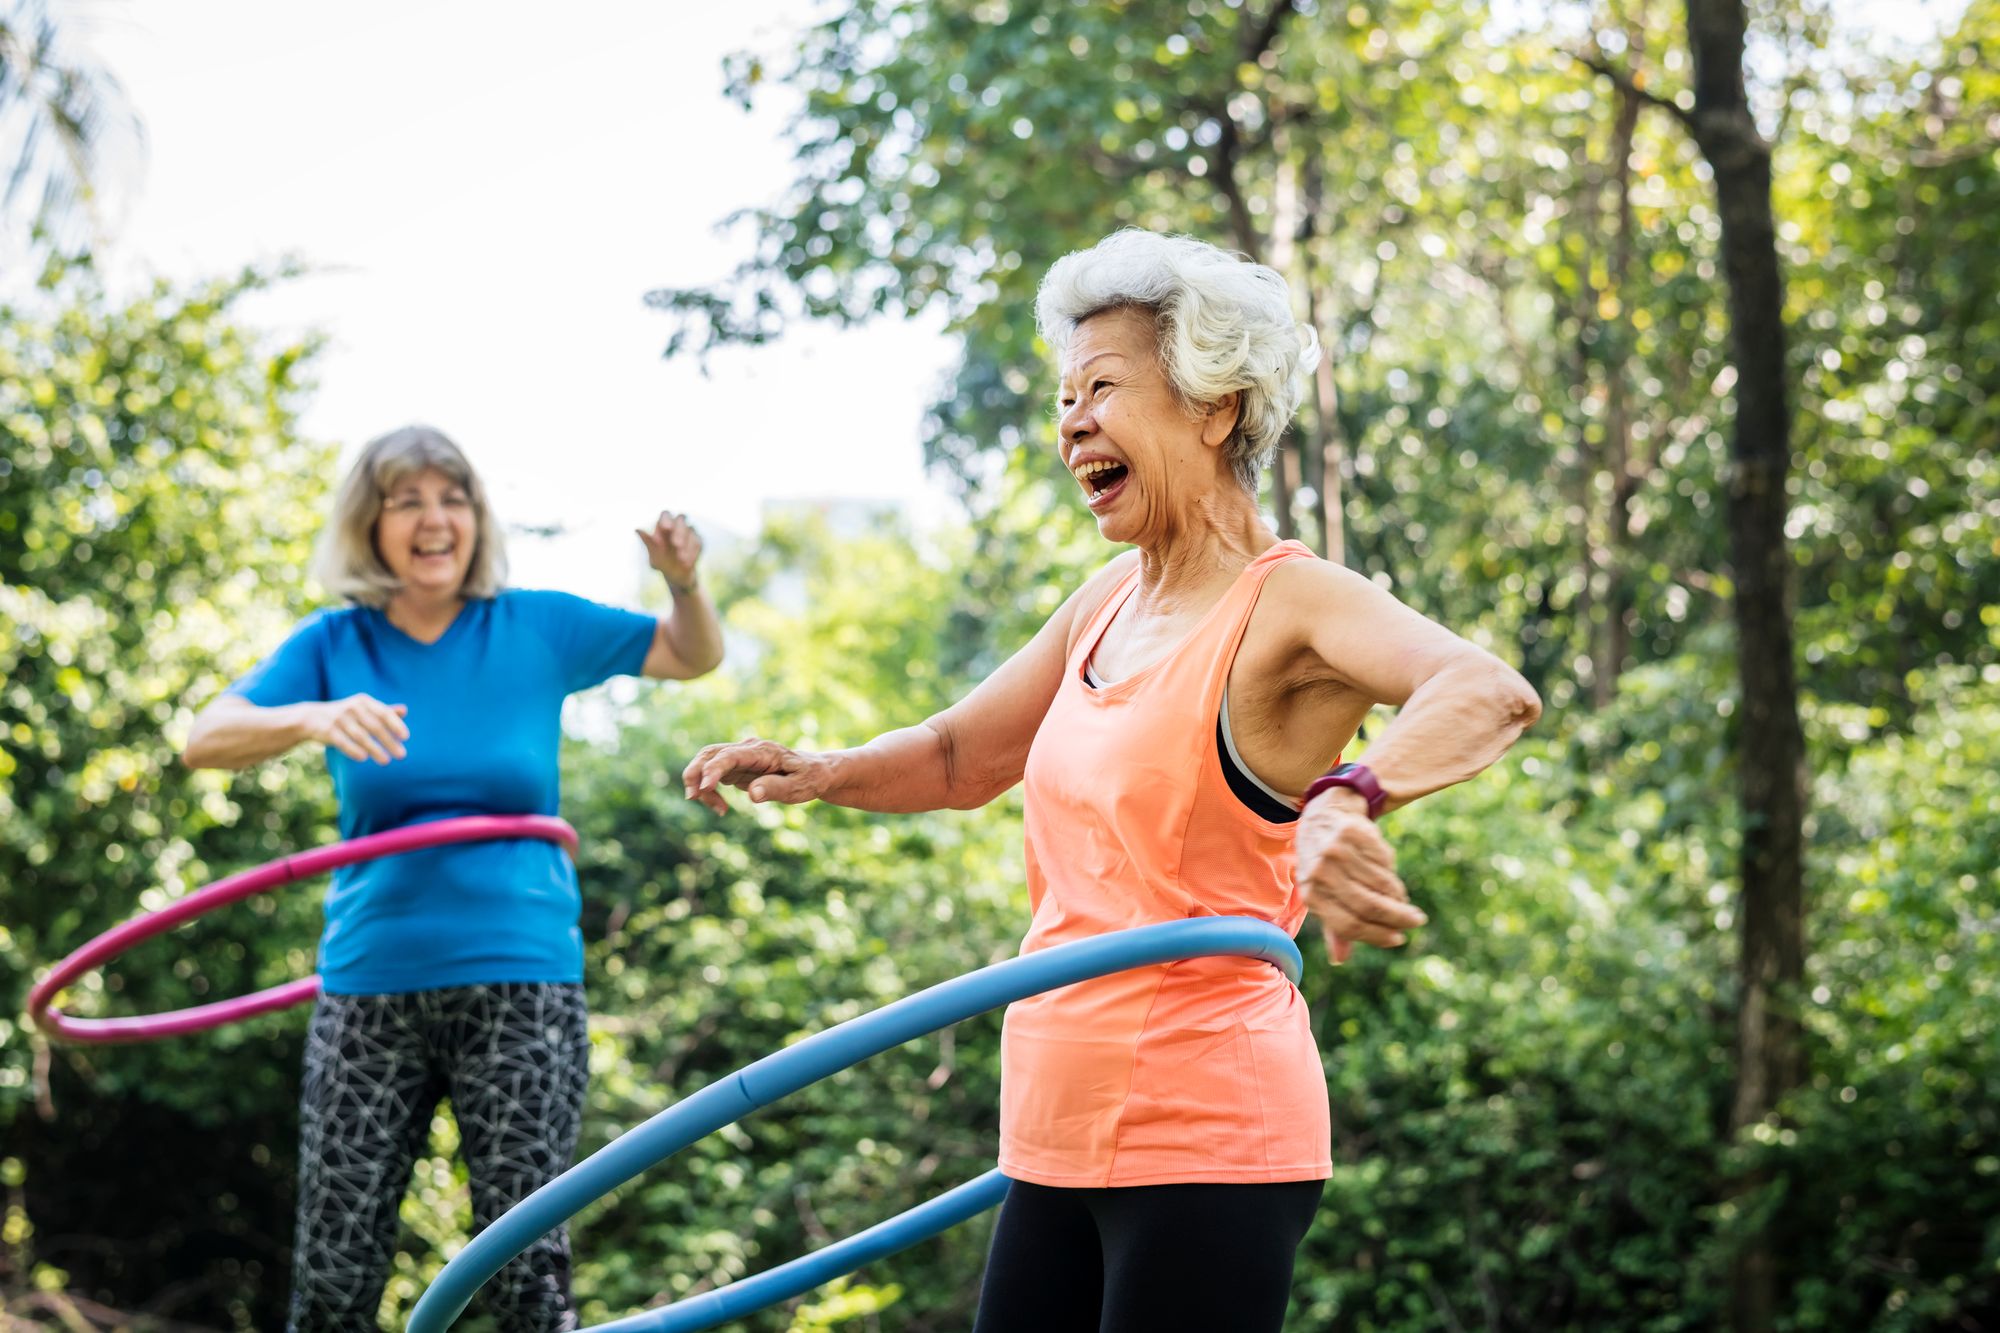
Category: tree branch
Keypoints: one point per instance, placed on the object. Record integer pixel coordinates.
(1936, 155)
(1259, 41)
(1229, 149)
(1629, 85)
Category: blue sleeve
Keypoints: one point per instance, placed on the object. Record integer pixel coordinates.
(294, 674)
(594, 642)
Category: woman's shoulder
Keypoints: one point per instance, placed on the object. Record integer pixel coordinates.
(1090, 598)
(1306, 599)
(1312, 576)
(330, 621)
(535, 598)
(541, 603)
(320, 632)
(1104, 582)
(1115, 570)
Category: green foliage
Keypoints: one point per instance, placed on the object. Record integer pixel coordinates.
(155, 504)
(1510, 249)
(720, 941)
(1514, 268)
(1893, 1158)
(1512, 264)
(1900, 507)
(1528, 1102)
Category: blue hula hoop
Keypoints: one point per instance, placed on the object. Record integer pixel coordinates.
(757, 1085)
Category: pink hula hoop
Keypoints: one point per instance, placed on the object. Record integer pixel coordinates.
(284, 870)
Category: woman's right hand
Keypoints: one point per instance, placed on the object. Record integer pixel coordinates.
(767, 770)
(360, 727)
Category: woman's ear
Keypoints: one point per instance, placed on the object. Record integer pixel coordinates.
(1220, 422)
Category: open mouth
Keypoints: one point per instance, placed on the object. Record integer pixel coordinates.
(1101, 479)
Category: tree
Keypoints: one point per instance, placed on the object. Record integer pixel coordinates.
(74, 140)
(1770, 757)
(1520, 277)
(1411, 167)
(1770, 752)
(156, 503)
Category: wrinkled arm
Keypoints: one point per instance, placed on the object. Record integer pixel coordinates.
(960, 759)
(971, 752)
(1459, 706)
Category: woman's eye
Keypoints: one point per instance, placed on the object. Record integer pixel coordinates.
(1101, 384)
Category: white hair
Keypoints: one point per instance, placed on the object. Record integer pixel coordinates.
(1222, 324)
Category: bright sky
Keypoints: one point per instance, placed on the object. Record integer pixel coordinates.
(487, 202)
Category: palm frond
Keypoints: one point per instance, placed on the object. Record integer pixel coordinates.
(71, 146)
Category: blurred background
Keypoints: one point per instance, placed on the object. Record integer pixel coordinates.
(1664, 361)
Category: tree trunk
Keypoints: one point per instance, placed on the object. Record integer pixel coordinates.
(1583, 478)
(1770, 748)
(1298, 209)
(1332, 503)
(1284, 485)
(1615, 350)
(1285, 206)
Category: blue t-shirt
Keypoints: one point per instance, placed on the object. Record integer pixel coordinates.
(485, 720)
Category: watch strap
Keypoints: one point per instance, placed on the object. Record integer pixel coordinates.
(1355, 777)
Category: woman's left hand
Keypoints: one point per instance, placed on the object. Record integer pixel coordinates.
(1347, 874)
(765, 769)
(673, 547)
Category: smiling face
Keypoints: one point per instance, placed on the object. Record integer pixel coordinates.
(1144, 461)
(427, 532)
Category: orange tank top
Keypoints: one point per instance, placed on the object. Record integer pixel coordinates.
(1198, 1071)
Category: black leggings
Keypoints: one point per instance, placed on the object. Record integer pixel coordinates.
(1151, 1258)
(513, 1057)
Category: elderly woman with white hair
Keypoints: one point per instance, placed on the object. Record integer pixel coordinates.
(457, 971)
(1178, 723)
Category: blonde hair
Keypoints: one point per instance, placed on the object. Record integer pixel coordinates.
(347, 563)
(1222, 323)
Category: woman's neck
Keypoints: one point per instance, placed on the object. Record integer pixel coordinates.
(1219, 534)
(422, 617)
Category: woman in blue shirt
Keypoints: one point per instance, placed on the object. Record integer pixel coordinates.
(457, 971)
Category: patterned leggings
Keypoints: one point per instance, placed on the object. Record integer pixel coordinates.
(513, 1058)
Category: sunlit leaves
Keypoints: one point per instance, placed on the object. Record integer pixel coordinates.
(160, 503)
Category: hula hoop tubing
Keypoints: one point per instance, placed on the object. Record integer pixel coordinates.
(261, 879)
(757, 1085)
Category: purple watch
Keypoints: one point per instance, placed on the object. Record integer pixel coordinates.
(1355, 777)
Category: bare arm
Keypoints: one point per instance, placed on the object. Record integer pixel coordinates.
(1459, 706)
(1460, 709)
(960, 759)
(688, 641)
(232, 732)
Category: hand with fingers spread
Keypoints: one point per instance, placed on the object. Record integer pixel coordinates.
(360, 727)
(1347, 875)
(766, 770)
(673, 547)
